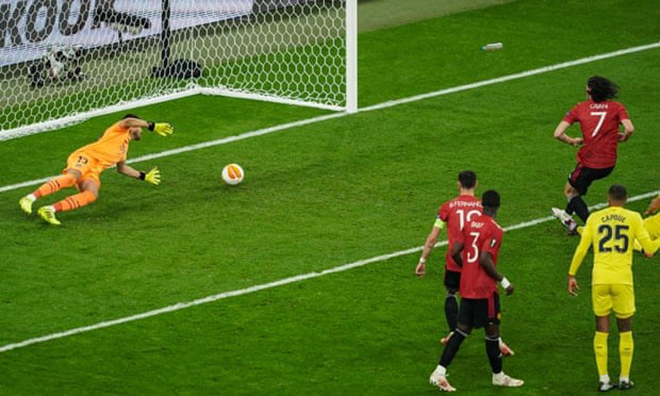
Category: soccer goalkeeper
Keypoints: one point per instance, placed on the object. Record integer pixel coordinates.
(86, 164)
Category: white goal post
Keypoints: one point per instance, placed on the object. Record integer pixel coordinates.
(64, 61)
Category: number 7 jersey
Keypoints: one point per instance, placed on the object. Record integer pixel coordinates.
(612, 232)
(600, 130)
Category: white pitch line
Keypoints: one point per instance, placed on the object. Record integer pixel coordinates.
(510, 77)
(264, 286)
(379, 106)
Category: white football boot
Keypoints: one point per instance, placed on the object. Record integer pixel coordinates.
(504, 380)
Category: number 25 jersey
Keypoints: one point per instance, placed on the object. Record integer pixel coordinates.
(612, 232)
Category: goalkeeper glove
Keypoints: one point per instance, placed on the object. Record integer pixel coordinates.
(153, 176)
(161, 128)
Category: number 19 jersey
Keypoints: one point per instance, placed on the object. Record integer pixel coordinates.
(612, 232)
(455, 213)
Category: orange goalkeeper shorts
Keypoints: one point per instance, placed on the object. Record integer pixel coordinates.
(88, 166)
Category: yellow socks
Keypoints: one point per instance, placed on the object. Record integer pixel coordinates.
(600, 350)
(626, 347)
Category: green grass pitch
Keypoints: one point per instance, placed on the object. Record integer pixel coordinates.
(332, 193)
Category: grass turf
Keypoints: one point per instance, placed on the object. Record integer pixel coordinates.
(321, 196)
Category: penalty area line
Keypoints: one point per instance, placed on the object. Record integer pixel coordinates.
(380, 106)
(270, 285)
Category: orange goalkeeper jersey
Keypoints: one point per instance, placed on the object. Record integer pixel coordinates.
(110, 148)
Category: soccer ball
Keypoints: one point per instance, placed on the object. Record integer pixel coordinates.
(232, 174)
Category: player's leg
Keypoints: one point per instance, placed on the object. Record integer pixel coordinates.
(600, 352)
(581, 183)
(505, 350)
(492, 331)
(602, 304)
(570, 193)
(452, 284)
(89, 191)
(626, 349)
(68, 179)
(577, 186)
(624, 307)
(489, 317)
(463, 329)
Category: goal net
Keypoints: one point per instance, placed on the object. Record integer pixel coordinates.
(63, 61)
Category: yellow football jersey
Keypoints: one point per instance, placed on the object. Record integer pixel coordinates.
(612, 232)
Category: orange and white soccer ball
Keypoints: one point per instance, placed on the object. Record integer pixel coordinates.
(232, 174)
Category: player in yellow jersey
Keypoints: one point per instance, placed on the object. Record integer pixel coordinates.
(85, 165)
(652, 223)
(612, 232)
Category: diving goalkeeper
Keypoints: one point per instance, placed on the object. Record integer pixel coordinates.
(85, 165)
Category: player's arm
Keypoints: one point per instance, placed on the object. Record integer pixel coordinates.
(628, 130)
(456, 253)
(153, 176)
(653, 206)
(642, 235)
(578, 257)
(133, 123)
(560, 134)
(161, 128)
(431, 240)
(487, 263)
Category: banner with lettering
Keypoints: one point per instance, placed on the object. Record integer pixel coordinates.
(29, 28)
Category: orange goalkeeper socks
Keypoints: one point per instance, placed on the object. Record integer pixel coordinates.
(55, 185)
(75, 201)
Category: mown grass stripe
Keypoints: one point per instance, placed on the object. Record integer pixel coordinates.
(270, 285)
(380, 106)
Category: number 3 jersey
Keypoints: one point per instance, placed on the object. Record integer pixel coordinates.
(481, 234)
(612, 232)
(600, 130)
(456, 213)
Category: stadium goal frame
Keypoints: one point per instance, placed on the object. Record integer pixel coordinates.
(351, 88)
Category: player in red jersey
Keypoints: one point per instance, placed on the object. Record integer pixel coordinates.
(599, 119)
(476, 252)
(454, 214)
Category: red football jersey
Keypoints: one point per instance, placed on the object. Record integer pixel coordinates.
(456, 213)
(600, 130)
(482, 234)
